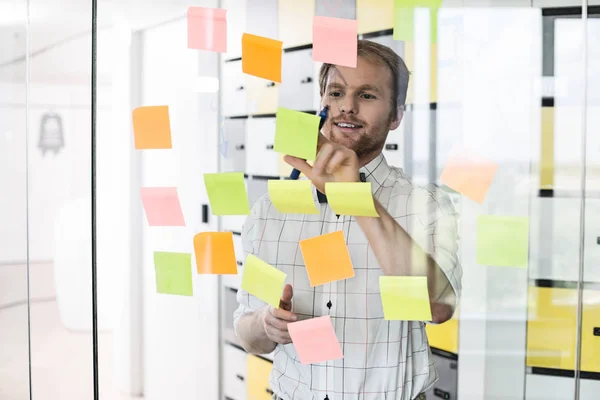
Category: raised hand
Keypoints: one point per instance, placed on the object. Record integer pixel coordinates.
(276, 320)
(334, 163)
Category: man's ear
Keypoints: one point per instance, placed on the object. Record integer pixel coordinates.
(395, 122)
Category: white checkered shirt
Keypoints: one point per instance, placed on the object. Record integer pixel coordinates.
(382, 359)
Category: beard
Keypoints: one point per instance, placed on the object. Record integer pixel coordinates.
(365, 141)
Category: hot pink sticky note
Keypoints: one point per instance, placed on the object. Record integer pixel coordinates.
(207, 29)
(162, 206)
(468, 173)
(314, 340)
(335, 41)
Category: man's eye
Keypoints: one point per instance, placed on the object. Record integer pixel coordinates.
(335, 94)
(368, 96)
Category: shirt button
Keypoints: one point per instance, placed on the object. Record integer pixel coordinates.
(329, 304)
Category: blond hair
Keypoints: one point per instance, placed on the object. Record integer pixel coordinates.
(382, 55)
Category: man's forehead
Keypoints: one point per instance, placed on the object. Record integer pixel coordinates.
(356, 77)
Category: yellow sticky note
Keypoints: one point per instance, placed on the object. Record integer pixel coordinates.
(404, 19)
(227, 193)
(351, 198)
(503, 241)
(292, 196)
(263, 280)
(296, 133)
(405, 298)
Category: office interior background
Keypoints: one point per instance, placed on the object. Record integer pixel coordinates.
(517, 81)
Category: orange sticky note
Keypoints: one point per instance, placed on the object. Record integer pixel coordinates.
(207, 29)
(162, 207)
(326, 258)
(261, 57)
(214, 253)
(315, 341)
(468, 173)
(335, 41)
(152, 128)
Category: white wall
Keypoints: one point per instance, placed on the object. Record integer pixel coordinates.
(180, 334)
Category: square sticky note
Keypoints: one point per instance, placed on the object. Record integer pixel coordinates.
(468, 173)
(292, 196)
(261, 57)
(326, 258)
(215, 253)
(207, 29)
(503, 241)
(405, 298)
(296, 133)
(315, 341)
(227, 193)
(351, 198)
(335, 41)
(263, 280)
(152, 128)
(173, 273)
(404, 18)
(162, 206)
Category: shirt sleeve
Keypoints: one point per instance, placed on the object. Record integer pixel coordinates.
(432, 222)
(251, 234)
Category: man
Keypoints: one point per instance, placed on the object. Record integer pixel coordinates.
(414, 235)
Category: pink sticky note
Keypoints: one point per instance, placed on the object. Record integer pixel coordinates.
(207, 29)
(335, 41)
(468, 173)
(314, 340)
(162, 206)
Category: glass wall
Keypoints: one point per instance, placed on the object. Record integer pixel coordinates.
(502, 115)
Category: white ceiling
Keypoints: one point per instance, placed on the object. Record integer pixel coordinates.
(59, 33)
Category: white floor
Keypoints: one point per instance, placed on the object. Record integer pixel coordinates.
(61, 361)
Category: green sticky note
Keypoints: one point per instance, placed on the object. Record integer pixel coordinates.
(292, 196)
(263, 280)
(503, 241)
(351, 198)
(227, 193)
(404, 18)
(173, 273)
(405, 298)
(296, 133)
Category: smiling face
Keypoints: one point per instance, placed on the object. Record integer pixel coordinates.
(361, 110)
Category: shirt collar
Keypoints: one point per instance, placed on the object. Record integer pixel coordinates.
(376, 172)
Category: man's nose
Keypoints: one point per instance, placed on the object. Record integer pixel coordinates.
(348, 105)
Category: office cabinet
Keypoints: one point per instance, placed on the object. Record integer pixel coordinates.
(295, 22)
(234, 373)
(258, 372)
(263, 95)
(298, 81)
(446, 386)
(257, 188)
(261, 159)
(234, 134)
(551, 329)
(444, 336)
(262, 18)
(234, 281)
(236, 26)
(547, 387)
(234, 89)
(374, 15)
(336, 8)
(555, 248)
(394, 146)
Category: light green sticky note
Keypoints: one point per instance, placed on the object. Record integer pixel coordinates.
(405, 298)
(296, 133)
(351, 198)
(292, 196)
(263, 280)
(227, 193)
(503, 241)
(404, 18)
(173, 273)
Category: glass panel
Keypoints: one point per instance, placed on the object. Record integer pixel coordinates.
(14, 285)
(59, 204)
